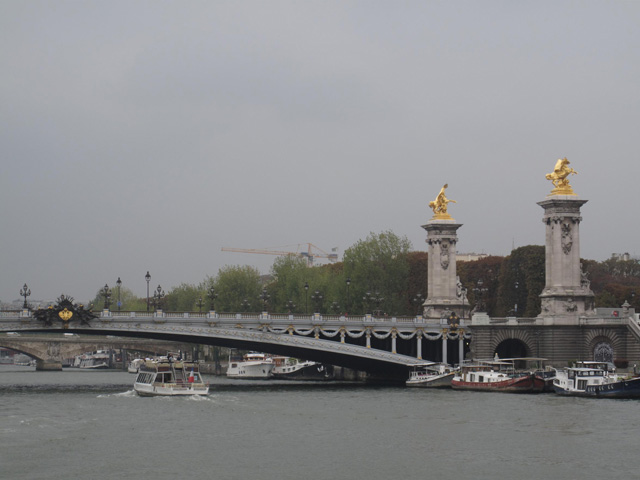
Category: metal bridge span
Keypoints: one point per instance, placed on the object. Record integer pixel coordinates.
(365, 343)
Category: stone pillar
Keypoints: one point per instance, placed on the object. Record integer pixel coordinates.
(393, 342)
(419, 345)
(460, 349)
(567, 294)
(445, 293)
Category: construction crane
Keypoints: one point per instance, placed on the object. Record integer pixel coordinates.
(309, 254)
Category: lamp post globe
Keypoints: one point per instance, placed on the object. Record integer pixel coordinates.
(119, 284)
(147, 277)
(25, 292)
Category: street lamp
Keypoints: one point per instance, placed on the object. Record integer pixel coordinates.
(199, 304)
(317, 300)
(245, 305)
(147, 277)
(377, 300)
(119, 284)
(367, 302)
(515, 307)
(418, 301)
(25, 292)
(348, 285)
(291, 306)
(335, 307)
(158, 295)
(106, 293)
(212, 297)
(264, 296)
(306, 292)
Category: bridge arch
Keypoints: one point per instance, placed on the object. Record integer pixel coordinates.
(513, 343)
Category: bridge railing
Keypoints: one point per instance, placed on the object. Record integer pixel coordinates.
(234, 317)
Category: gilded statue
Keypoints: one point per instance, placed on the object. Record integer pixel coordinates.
(439, 205)
(559, 177)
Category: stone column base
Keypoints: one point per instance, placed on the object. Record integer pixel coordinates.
(48, 365)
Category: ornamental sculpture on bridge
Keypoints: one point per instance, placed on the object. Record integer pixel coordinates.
(65, 311)
(439, 205)
(559, 177)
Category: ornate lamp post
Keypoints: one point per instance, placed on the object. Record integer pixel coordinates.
(264, 296)
(212, 297)
(515, 307)
(317, 300)
(199, 304)
(147, 277)
(367, 302)
(119, 284)
(348, 282)
(335, 307)
(158, 295)
(25, 292)
(306, 292)
(106, 293)
(291, 306)
(377, 300)
(245, 305)
(418, 301)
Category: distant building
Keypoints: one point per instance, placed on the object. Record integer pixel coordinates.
(470, 257)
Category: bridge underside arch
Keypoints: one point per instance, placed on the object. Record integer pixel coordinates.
(379, 363)
(512, 344)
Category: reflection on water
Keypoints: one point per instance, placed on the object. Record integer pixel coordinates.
(79, 424)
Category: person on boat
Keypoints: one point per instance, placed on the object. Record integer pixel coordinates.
(170, 357)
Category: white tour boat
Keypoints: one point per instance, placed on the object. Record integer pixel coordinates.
(134, 365)
(95, 360)
(431, 375)
(167, 377)
(254, 365)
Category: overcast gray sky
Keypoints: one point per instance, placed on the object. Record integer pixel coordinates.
(143, 135)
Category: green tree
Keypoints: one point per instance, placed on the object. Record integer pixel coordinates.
(521, 281)
(183, 298)
(379, 265)
(234, 285)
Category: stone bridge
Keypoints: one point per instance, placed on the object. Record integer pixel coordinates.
(381, 346)
(49, 350)
(609, 335)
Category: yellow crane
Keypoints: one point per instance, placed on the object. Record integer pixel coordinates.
(310, 253)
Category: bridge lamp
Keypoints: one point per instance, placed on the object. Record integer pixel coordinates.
(158, 295)
(199, 304)
(119, 284)
(25, 292)
(377, 300)
(418, 301)
(264, 296)
(212, 297)
(317, 298)
(306, 291)
(291, 306)
(106, 293)
(147, 277)
(367, 301)
(348, 282)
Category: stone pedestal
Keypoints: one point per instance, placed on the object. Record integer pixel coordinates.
(48, 365)
(445, 292)
(566, 295)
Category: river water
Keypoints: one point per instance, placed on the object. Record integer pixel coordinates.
(91, 425)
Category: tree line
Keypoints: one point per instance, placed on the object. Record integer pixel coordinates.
(382, 274)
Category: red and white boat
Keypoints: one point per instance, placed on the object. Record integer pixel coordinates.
(497, 376)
